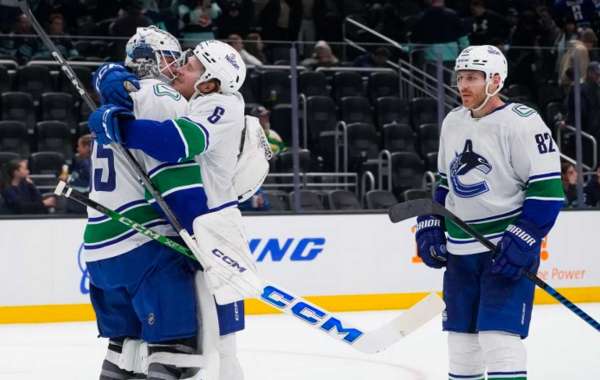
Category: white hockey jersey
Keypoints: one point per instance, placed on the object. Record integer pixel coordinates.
(212, 133)
(114, 186)
(490, 166)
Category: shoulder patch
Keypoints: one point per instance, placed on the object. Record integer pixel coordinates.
(523, 110)
(161, 89)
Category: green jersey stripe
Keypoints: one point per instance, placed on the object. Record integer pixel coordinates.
(194, 136)
(172, 177)
(109, 229)
(547, 188)
(520, 377)
(485, 228)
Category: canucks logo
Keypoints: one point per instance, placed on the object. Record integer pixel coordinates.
(464, 163)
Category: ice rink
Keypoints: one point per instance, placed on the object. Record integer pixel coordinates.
(277, 347)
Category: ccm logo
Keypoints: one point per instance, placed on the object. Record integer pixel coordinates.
(304, 249)
(228, 260)
(309, 313)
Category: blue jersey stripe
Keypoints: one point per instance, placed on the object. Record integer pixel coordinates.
(506, 214)
(547, 175)
(224, 205)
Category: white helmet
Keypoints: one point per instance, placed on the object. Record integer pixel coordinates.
(146, 51)
(486, 58)
(221, 62)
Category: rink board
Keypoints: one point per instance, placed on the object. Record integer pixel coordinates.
(342, 262)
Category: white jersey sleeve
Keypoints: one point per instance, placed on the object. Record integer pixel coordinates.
(534, 155)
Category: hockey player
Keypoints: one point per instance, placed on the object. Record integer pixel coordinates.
(138, 288)
(500, 172)
(210, 133)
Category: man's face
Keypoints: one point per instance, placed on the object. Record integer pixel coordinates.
(83, 149)
(471, 86)
(186, 77)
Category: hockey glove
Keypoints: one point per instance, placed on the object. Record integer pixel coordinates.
(104, 122)
(431, 241)
(518, 250)
(113, 82)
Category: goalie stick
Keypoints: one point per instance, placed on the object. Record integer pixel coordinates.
(365, 341)
(418, 207)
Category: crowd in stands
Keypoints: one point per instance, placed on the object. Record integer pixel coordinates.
(542, 39)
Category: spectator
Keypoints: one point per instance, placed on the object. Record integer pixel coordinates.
(22, 48)
(489, 28)
(569, 181)
(199, 23)
(442, 30)
(126, 24)
(378, 58)
(258, 202)
(576, 49)
(307, 33)
(590, 102)
(237, 43)
(328, 20)
(322, 56)
(592, 190)
(275, 141)
(582, 12)
(280, 20)
(78, 175)
(19, 192)
(237, 17)
(56, 28)
(254, 45)
(130, 18)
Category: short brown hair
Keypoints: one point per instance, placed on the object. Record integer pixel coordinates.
(85, 139)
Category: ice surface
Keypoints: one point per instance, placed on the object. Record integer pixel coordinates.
(277, 347)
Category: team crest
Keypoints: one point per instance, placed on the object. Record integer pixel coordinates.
(462, 164)
(231, 59)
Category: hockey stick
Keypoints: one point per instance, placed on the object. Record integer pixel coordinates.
(365, 341)
(123, 153)
(418, 207)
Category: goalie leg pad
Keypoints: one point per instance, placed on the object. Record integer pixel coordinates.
(230, 365)
(111, 368)
(173, 359)
(504, 354)
(465, 357)
(223, 247)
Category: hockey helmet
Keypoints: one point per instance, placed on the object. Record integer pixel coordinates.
(485, 58)
(152, 53)
(221, 62)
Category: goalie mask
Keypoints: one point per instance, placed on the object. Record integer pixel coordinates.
(153, 53)
(487, 59)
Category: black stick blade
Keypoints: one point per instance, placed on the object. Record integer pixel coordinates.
(410, 209)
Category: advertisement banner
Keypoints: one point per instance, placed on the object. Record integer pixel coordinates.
(313, 255)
